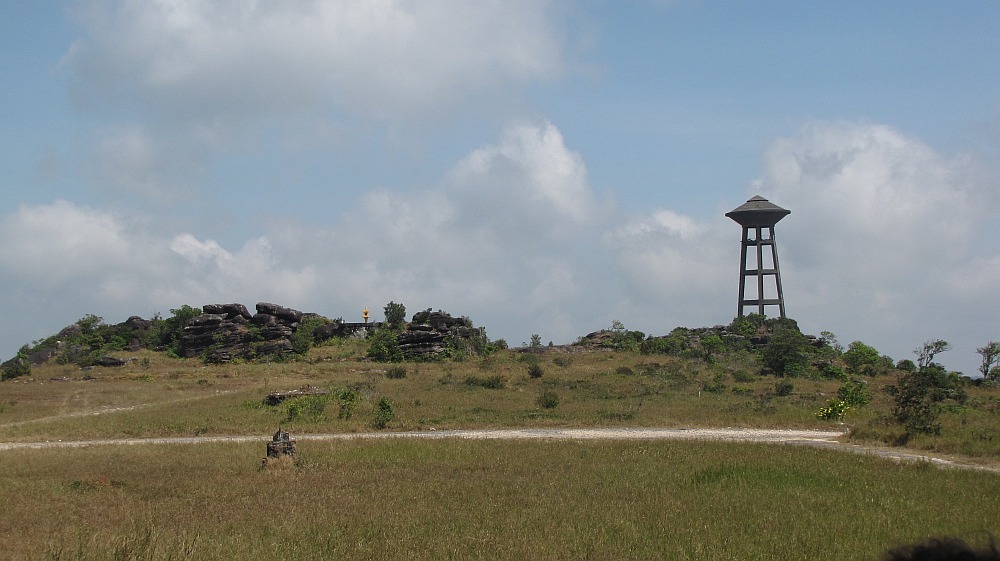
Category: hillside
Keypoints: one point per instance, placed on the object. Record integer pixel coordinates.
(209, 371)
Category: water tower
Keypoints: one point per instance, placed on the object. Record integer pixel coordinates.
(758, 217)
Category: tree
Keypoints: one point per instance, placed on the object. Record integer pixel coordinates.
(395, 315)
(787, 352)
(991, 357)
(860, 358)
(918, 394)
(927, 352)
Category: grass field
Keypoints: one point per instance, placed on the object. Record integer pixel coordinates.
(401, 499)
(392, 499)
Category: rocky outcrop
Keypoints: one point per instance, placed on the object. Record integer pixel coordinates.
(225, 332)
(429, 333)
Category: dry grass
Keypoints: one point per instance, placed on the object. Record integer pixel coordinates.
(396, 499)
(391, 499)
(159, 396)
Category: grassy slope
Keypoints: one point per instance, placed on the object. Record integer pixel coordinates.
(398, 499)
(503, 500)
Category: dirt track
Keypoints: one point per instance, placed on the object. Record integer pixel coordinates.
(821, 439)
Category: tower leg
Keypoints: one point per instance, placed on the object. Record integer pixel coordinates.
(777, 273)
(743, 272)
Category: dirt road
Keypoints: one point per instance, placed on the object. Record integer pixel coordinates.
(822, 439)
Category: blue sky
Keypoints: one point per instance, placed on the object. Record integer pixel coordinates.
(539, 166)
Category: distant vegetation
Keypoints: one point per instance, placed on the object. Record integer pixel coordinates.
(438, 372)
(908, 398)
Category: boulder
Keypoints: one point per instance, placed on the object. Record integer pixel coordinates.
(282, 313)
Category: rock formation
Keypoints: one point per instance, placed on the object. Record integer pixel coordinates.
(428, 333)
(224, 332)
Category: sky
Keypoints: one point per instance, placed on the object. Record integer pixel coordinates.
(541, 166)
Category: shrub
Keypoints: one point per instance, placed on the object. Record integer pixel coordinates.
(747, 325)
(743, 377)
(304, 336)
(17, 367)
(672, 344)
(787, 351)
(861, 359)
(169, 331)
(548, 399)
(717, 385)
(834, 410)
(383, 346)
(492, 382)
(306, 408)
(624, 340)
(562, 361)
(384, 414)
(783, 388)
(396, 372)
(348, 399)
(854, 393)
(624, 371)
(535, 370)
(918, 396)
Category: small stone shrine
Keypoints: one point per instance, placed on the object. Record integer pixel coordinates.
(281, 445)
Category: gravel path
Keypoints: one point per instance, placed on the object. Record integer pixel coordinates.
(815, 438)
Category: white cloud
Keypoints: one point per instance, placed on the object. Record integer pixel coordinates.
(529, 185)
(192, 59)
(881, 242)
(55, 244)
(880, 246)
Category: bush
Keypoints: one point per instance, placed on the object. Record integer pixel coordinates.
(747, 325)
(672, 344)
(18, 367)
(562, 361)
(717, 385)
(348, 399)
(787, 351)
(834, 410)
(861, 359)
(535, 370)
(784, 388)
(384, 414)
(396, 372)
(548, 399)
(306, 408)
(854, 393)
(918, 396)
(304, 336)
(492, 382)
(384, 347)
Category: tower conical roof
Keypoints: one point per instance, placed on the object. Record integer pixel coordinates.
(758, 212)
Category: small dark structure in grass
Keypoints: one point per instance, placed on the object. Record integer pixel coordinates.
(281, 447)
(276, 397)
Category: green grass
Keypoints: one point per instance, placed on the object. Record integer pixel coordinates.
(392, 499)
(159, 396)
(396, 499)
